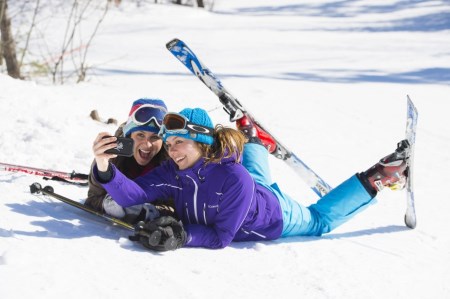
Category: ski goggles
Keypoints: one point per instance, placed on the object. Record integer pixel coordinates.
(175, 123)
(144, 114)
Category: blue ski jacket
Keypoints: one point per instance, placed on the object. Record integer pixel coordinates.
(217, 202)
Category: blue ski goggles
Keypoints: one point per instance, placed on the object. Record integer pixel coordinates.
(146, 113)
(175, 123)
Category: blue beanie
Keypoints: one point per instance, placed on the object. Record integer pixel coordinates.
(197, 116)
(131, 126)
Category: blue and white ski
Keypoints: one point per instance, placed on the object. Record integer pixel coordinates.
(236, 111)
(411, 125)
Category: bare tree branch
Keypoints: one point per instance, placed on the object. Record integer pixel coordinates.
(33, 22)
(83, 68)
(64, 44)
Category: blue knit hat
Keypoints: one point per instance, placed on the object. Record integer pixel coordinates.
(197, 116)
(131, 126)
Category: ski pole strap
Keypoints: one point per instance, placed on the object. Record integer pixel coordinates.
(80, 176)
(60, 179)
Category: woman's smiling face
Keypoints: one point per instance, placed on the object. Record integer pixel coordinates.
(184, 152)
(146, 146)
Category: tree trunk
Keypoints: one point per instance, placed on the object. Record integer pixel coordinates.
(200, 3)
(8, 45)
(2, 8)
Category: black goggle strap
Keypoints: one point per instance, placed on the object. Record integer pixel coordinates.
(191, 127)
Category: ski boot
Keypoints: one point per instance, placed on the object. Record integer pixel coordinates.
(391, 171)
(252, 131)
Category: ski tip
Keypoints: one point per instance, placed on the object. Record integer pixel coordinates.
(411, 104)
(409, 101)
(172, 43)
(410, 222)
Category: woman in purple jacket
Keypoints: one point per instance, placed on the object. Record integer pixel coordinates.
(219, 200)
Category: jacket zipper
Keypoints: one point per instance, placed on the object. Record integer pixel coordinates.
(187, 212)
(195, 199)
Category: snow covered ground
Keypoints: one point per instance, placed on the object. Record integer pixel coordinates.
(330, 78)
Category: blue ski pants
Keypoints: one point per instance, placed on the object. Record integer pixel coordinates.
(330, 211)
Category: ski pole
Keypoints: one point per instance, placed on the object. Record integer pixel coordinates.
(36, 188)
(153, 238)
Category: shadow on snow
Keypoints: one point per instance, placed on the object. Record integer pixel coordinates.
(435, 21)
(61, 225)
(423, 76)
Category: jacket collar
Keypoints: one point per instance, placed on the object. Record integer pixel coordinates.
(199, 169)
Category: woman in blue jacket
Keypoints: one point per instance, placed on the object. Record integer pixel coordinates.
(219, 200)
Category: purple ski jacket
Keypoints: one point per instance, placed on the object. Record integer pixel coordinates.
(217, 202)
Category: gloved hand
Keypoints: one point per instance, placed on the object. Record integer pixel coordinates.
(162, 234)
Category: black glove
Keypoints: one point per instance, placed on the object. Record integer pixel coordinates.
(162, 234)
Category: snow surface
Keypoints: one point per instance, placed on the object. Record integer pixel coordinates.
(330, 79)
